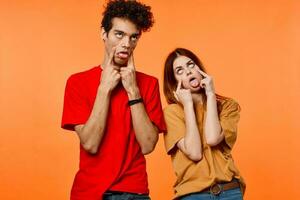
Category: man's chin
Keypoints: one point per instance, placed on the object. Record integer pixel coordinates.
(120, 62)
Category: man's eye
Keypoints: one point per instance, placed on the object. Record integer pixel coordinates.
(134, 38)
(119, 35)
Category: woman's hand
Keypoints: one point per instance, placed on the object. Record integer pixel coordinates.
(207, 83)
(182, 95)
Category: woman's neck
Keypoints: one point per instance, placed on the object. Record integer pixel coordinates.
(197, 98)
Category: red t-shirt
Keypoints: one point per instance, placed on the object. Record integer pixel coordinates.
(119, 164)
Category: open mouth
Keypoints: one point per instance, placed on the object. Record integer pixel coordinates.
(123, 54)
(194, 82)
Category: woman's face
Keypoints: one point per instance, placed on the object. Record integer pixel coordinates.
(186, 70)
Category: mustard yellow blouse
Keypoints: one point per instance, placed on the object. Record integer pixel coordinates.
(217, 164)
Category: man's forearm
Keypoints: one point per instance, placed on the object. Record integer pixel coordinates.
(145, 131)
(91, 133)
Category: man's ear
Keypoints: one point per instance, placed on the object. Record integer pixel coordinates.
(103, 34)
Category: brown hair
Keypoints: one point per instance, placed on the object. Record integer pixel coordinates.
(170, 83)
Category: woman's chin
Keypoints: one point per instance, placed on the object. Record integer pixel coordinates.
(195, 89)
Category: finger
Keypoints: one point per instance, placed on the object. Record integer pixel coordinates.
(124, 69)
(202, 73)
(115, 68)
(202, 83)
(111, 55)
(122, 73)
(179, 85)
(175, 95)
(130, 63)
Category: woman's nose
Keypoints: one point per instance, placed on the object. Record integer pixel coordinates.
(188, 71)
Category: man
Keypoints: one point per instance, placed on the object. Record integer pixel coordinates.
(115, 111)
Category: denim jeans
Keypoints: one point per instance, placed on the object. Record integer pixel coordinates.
(124, 196)
(232, 194)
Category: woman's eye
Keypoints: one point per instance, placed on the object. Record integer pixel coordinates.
(179, 71)
(191, 65)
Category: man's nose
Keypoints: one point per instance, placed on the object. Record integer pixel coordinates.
(126, 42)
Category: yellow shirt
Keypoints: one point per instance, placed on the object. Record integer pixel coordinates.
(217, 164)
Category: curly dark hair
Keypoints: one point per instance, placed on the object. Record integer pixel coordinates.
(138, 13)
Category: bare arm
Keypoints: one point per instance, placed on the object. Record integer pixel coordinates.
(213, 131)
(212, 128)
(91, 133)
(190, 145)
(145, 131)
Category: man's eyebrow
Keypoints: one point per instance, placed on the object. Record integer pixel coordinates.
(118, 31)
(136, 34)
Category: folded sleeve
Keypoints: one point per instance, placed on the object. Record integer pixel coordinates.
(75, 110)
(174, 118)
(229, 118)
(153, 106)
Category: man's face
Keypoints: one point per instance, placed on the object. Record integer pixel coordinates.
(124, 36)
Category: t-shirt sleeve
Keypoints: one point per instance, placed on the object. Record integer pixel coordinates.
(76, 110)
(153, 106)
(175, 127)
(229, 118)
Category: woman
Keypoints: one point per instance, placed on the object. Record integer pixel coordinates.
(202, 129)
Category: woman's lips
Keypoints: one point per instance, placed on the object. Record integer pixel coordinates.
(194, 82)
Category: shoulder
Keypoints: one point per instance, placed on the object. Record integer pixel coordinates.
(80, 77)
(228, 105)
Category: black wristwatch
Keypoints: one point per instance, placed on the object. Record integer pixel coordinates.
(135, 101)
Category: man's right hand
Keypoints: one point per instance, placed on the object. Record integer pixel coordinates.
(111, 74)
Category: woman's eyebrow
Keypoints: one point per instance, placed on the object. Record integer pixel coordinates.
(189, 62)
(178, 67)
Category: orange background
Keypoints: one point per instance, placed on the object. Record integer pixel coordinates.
(251, 48)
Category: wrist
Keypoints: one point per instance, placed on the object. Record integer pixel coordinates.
(133, 93)
(103, 90)
(210, 94)
(135, 101)
(188, 104)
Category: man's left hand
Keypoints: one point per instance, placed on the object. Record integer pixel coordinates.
(129, 79)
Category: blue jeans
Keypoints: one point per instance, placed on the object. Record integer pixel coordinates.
(233, 194)
(124, 196)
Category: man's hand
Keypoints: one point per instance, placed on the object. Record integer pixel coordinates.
(129, 79)
(110, 76)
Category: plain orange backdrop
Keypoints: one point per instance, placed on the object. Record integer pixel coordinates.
(251, 49)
